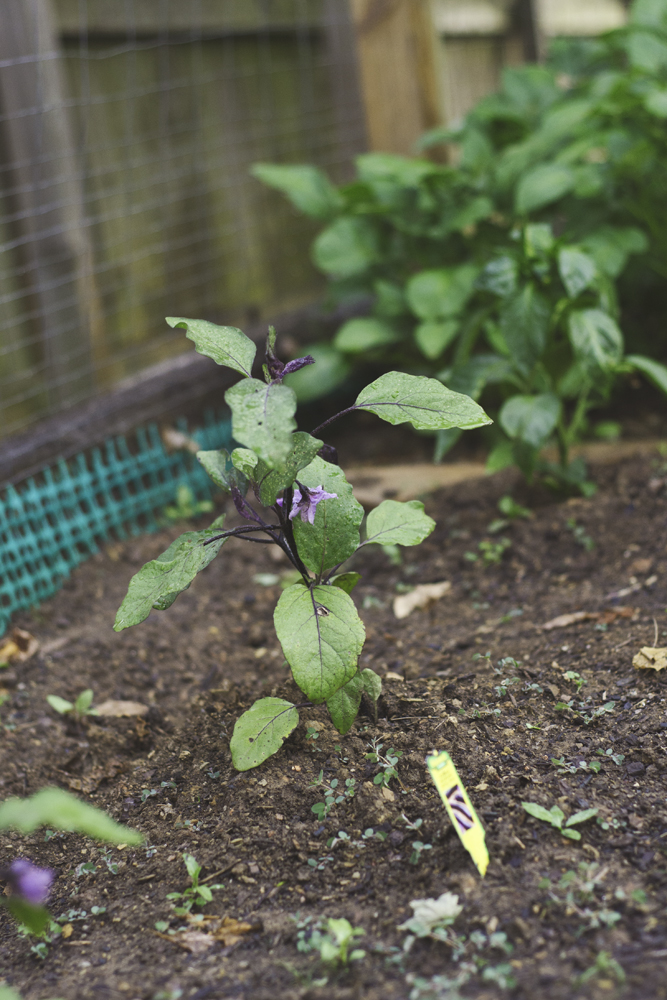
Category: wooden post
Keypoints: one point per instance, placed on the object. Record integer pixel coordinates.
(398, 55)
(528, 27)
(47, 197)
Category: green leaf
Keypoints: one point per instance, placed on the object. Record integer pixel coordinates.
(500, 457)
(314, 381)
(59, 704)
(524, 324)
(500, 276)
(424, 402)
(596, 339)
(344, 704)
(653, 370)
(389, 299)
(539, 812)
(347, 247)
(222, 469)
(244, 460)
(442, 293)
(58, 809)
(538, 239)
(225, 344)
(646, 51)
(263, 418)
(577, 270)
(433, 337)
(610, 247)
(395, 523)
(473, 375)
(372, 684)
(570, 834)
(7, 993)
(542, 186)
(160, 581)
(84, 701)
(304, 450)
(334, 535)
(308, 188)
(192, 866)
(36, 918)
(656, 102)
(346, 581)
(364, 334)
(530, 418)
(261, 731)
(321, 635)
(581, 817)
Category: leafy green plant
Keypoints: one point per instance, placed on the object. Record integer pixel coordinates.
(508, 274)
(308, 511)
(77, 709)
(196, 894)
(555, 817)
(576, 893)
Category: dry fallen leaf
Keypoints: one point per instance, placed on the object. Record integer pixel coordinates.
(195, 942)
(605, 617)
(19, 647)
(420, 597)
(570, 619)
(650, 658)
(121, 709)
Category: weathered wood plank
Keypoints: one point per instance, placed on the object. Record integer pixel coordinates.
(398, 55)
(191, 17)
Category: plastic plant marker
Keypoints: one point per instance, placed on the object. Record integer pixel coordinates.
(459, 808)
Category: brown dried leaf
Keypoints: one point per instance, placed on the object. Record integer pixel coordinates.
(121, 709)
(420, 597)
(650, 658)
(19, 647)
(195, 942)
(606, 617)
(570, 619)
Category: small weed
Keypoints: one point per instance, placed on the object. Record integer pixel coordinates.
(573, 767)
(580, 534)
(186, 505)
(555, 817)
(617, 758)
(575, 678)
(491, 552)
(332, 938)
(332, 795)
(604, 966)
(77, 709)
(387, 763)
(196, 894)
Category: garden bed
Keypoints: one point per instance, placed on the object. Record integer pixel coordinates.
(199, 664)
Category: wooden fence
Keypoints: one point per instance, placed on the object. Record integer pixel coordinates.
(126, 134)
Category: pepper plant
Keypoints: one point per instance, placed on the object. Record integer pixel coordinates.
(287, 487)
(510, 272)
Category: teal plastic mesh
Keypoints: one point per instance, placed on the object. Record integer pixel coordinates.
(54, 521)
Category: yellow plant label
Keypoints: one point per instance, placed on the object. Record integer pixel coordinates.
(459, 807)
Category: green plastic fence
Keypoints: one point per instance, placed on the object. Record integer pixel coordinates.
(54, 521)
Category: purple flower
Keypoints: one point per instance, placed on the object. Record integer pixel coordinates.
(305, 501)
(29, 881)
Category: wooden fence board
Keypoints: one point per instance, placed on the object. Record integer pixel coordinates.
(193, 17)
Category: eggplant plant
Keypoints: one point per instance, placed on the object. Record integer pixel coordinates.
(290, 492)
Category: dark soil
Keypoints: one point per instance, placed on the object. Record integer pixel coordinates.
(199, 664)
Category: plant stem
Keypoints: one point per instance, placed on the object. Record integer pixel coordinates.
(335, 417)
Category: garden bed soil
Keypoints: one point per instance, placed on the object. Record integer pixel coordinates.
(199, 664)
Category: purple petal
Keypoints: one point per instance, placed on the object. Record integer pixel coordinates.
(29, 881)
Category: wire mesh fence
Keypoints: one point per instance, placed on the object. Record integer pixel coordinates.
(126, 134)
